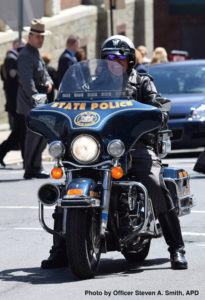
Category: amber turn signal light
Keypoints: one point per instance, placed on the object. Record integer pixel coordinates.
(117, 172)
(57, 173)
(75, 192)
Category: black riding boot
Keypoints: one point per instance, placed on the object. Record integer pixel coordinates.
(58, 255)
(3, 152)
(173, 237)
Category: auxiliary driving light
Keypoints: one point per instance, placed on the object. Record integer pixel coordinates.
(116, 148)
(56, 149)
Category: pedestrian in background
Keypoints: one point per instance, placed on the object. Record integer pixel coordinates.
(10, 78)
(53, 74)
(139, 66)
(68, 57)
(143, 50)
(80, 54)
(200, 163)
(16, 138)
(33, 79)
(159, 56)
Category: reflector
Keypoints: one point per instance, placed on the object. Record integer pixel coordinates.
(117, 172)
(57, 173)
(75, 192)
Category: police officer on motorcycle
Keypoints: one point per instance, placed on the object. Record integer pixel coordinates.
(146, 165)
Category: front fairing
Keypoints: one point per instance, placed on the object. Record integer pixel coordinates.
(102, 109)
(126, 120)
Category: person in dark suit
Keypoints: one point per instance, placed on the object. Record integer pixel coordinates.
(68, 58)
(53, 74)
(15, 140)
(33, 79)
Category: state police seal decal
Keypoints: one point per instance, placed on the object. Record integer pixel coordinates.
(87, 118)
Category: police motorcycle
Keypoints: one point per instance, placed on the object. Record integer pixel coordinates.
(91, 129)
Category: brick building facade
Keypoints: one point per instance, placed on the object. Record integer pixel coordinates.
(181, 31)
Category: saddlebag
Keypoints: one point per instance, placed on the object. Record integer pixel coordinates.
(178, 183)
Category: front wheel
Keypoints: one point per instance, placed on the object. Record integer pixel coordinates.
(138, 255)
(83, 241)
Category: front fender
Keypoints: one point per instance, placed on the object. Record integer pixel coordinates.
(80, 194)
(87, 185)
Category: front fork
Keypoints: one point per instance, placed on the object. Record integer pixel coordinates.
(105, 201)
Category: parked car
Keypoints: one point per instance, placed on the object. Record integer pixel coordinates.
(184, 84)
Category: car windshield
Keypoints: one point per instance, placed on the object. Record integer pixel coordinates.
(93, 79)
(179, 79)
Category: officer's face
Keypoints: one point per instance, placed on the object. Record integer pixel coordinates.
(121, 60)
(115, 68)
(123, 63)
(36, 40)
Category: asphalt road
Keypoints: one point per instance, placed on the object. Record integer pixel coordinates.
(23, 244)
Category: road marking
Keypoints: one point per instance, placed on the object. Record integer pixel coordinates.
(39, 228)
(25, 228)
(193, 233)
(200, 245)
(46, 207)
(24, 207)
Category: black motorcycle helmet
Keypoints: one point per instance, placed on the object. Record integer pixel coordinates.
(119, 45)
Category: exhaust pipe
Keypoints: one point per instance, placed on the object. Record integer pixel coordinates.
(48, 194)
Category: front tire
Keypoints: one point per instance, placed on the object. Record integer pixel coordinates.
(138, 255)
(83, 242)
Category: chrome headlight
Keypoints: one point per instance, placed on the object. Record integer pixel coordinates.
(198, 113)
(85, 148)
(116, 148)
(56, 149)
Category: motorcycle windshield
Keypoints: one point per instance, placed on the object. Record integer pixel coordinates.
(94, 79)
(93, 98)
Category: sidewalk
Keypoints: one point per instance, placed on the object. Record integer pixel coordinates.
(14, 157)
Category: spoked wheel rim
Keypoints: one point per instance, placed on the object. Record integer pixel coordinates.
(94, 241)
(83, 242)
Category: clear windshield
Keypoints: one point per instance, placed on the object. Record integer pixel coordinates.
(93, 79)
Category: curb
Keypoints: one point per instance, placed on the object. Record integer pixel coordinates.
(4, 127)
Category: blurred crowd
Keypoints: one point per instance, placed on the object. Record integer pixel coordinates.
(25, 71)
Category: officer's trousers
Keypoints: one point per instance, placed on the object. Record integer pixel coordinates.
(147, 168)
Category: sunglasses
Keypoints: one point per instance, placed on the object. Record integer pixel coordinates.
(116, 57)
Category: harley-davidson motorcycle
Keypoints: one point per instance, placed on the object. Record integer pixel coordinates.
(91, 130)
